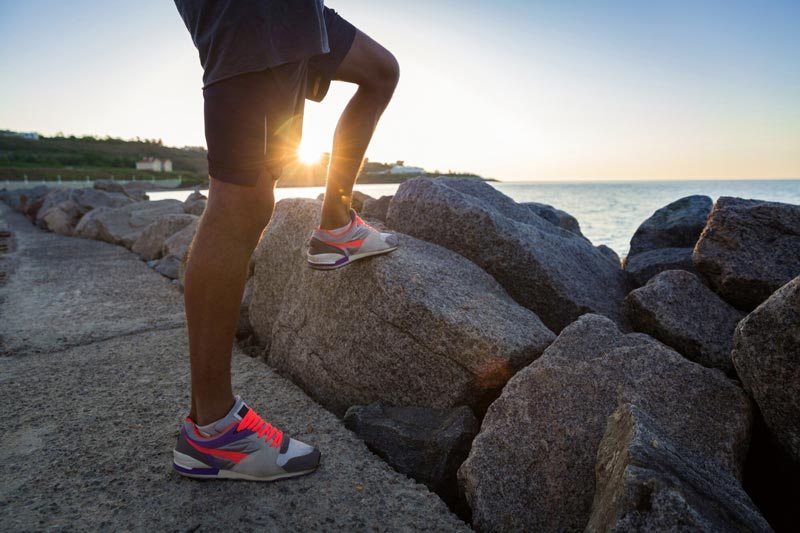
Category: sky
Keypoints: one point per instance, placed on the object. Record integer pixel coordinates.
(514, 90)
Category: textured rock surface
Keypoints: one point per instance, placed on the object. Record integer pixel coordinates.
(123, 225)
(20, 199)
(178, 243)
(376, 209)
(610, 254)
(676, 225)
(749, 249)
(645, 265)
(150, 244)
(357, 202)
(554, 272)
(133, 189)
(131, 380)
(195, 203)
(61, 209)
(557, 217)
(676, 308)
(766, 354)
(645, 482)
(420, 326)
(426, 444)
(531, 466)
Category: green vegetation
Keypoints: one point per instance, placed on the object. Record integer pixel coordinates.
(76, 158)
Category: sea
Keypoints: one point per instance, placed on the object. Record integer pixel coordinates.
(608, 211)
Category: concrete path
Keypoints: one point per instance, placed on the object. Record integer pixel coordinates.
(94, 382)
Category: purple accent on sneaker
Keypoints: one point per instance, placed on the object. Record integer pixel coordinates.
(226, 438)
(197, 471)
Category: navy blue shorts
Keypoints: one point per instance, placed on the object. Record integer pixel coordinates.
(254, 121)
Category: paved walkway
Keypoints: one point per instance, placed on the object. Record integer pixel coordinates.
(93, 384)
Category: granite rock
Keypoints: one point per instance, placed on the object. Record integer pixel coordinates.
(532, 465)
(124, 225)
(676, 225)
(749, 249)
(676, 308)
(419, 326)
(645, 265)
(554, 272)
(426, 444)
(646, 482)
(557, 217)
(150, 244)
(376, 209)
(766, 354)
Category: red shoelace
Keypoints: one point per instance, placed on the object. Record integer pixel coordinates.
(255, 423)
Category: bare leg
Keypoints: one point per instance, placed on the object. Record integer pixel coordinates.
(376, 72)
(216, 273)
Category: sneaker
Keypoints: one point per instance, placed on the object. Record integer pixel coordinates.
(336, 248)
(249, 448)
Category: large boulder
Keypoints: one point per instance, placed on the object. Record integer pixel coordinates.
(554, 272)
(532, 465)
(676, 225)
(419, 326)
(766, 354)
(133, 189)
(647, 482)
(557, 217)
(62, 209)
(676, 308)
(20, 199)
(357, 200)
(749, 249)
(645, 265)
(124, 225)
(376, 209)
(150, 244)
(176, 247)
(426, 444)
(195, 203)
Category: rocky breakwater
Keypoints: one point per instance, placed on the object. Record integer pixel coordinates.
(422, 326)
(555, 272)
(665, 241)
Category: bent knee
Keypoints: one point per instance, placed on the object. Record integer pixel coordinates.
(385, 76)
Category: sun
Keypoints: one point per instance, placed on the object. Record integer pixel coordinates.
(307, 155)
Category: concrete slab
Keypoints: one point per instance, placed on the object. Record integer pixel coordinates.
(88, 430)
(58, 300)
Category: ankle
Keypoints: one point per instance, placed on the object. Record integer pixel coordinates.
(335, 218)
(207, 414)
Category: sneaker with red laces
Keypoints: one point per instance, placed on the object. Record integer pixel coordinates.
(330, 249)
(249, 448)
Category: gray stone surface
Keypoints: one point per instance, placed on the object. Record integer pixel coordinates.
(178, 243)
(676, 225)
(610, 254)
(554, 272)
(555, 216)
(195, 203)
(357, 202)
(87, 445)
(645, 265)
(123, 225)
(646, 482)
(749, 249)
(766, 353)
(150, 244)
(134, 189)
(419, 326)
(676, 308)
(426, 444)
(376, 209)
(65, 305)
(19, 199)
(61, 209)
(532, 465)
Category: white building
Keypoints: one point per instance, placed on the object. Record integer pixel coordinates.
(402, 169)
(154, 164)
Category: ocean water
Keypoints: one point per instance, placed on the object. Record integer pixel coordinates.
(609, 212)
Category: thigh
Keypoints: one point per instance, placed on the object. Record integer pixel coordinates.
(284, 115)
(366, 61)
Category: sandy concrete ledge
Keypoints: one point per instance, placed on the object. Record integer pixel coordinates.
(94, 384)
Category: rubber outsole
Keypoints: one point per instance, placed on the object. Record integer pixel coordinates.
(348, 260)
(196, 470)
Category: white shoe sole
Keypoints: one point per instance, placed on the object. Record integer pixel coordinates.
(333, 261)
(190, 467)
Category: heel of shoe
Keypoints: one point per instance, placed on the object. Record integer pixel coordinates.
(189, 466)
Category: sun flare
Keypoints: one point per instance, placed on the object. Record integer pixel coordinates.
(309, 156)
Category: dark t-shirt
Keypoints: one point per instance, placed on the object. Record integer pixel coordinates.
(239, 36)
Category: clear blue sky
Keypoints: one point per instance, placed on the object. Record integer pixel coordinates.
(510, 89)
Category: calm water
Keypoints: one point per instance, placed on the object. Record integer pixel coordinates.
(608, 212)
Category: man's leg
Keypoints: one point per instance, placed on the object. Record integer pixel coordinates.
(216, 273)
(376, 72)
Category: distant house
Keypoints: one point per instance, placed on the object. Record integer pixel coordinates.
(400, 168)
(154, 164)
(30, 135)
